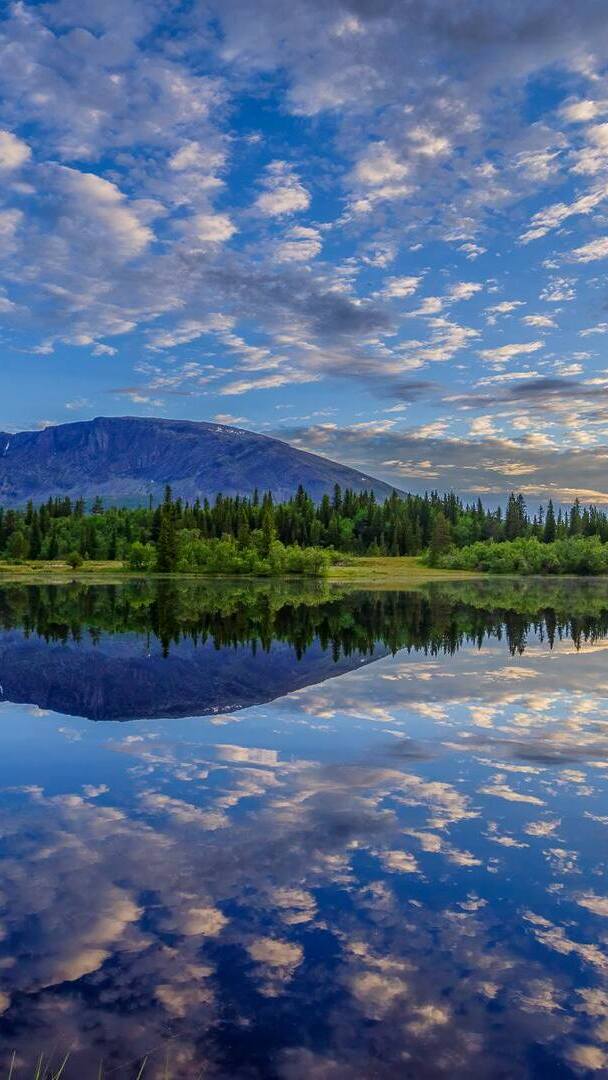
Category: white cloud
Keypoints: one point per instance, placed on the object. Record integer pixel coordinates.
(6, 305)
(464, 290)
(595, 249)
(446, 340)
(508, 376)
(505, 307)
(189, 330)
(599, 328)
(284, 194)
(10, 220)
(401, 287)
(472, 250)
(558, 290)
(430, 305)
(100, 209)
(301, 243)
(428, 143)
(13, 152)
(506, 352)
(430, 431)
(539, 320)
(539, 165)
(268, 382)
(211, 228)
(193, 156)
(482, 425)
(593, 157)
(380, 166)
(551, 217)
(580, 112)
(379, 175)
(227, 418)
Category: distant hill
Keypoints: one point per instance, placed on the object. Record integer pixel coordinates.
(126, 459)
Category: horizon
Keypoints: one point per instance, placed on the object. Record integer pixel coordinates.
(393, 257)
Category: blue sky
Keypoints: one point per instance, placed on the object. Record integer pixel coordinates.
(377, 229)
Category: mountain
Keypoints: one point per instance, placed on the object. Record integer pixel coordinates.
(126, 459)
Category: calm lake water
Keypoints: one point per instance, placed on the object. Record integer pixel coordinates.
(296, 831)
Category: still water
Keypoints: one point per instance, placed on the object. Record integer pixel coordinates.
(297, 831)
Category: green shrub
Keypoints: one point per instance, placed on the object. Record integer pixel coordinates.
(141, 556)
(227, 556)
(583, 555)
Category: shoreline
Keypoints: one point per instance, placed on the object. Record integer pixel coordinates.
(368, 570)
(386, 571)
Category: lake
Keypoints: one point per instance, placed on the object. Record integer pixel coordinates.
(302, 831)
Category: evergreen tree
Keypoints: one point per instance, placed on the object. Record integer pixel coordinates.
(167, 543)
(550, 529)
(268, 530)
(441, 537)
(17, 546)
(516, 517)
(35, 543)
(575, 525)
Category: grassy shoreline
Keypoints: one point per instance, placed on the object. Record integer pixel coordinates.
(383, 569)
(392, 569)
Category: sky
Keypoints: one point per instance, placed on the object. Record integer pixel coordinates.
(377, 229)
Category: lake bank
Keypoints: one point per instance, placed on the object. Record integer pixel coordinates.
(386, 570)
(389, 570)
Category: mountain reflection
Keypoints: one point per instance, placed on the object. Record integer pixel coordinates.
(166, 649)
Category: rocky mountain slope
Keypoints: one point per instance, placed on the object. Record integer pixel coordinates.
(127, 459)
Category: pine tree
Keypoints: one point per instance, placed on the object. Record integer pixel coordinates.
(268, 530)
(166, 558)
(35, 537)
(516, 518)
(17, 545)
(576, 524)
(441, 537)
(550, 530)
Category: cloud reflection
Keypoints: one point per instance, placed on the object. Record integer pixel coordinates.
(383, 875)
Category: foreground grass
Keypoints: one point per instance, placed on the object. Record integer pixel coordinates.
(390, 570)
(45, 1070)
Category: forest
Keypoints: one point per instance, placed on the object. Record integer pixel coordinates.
(254, 535)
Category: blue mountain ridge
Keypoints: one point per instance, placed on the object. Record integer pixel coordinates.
(127, 459)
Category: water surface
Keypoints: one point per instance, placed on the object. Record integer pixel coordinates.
(298, 831)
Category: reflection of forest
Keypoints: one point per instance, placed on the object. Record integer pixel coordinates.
(439, 617)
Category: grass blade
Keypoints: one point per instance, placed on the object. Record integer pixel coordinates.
(57, 1075)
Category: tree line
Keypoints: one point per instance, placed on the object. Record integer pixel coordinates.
(255, 534)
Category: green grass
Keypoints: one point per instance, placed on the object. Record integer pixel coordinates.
(384, 569)
(59, 566)
(390, 570)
